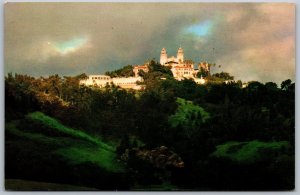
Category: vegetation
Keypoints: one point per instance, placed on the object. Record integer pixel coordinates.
(126, 71)
(172, 135)
(54, 124)
(249, 152)
(188, 117)
(51, 154)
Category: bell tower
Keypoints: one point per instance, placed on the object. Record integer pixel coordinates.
(180, 55)
(163, 56)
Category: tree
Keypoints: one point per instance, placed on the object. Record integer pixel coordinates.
(188, 117)
(286, 84)
(126, 71)
(20, 95)
(202, 72)
(223, 75)
(156, 67)
(271, 86)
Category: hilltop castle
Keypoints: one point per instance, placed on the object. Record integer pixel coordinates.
(180, 68)
(164, 60)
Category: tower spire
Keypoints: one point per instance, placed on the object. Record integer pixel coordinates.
(180, 55)
(163, 56)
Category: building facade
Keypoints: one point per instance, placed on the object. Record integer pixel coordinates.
(103, 80)
(181, 68)
(138, 68)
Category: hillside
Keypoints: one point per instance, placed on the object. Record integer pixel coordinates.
(171, 135)
(39, 146)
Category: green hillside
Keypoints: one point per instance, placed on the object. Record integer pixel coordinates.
(39, 145)
(249, 152)
(74, 145)
(57, 126)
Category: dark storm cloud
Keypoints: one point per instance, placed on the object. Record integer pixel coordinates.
(251, 41)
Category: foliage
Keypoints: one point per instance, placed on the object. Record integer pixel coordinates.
(188, 116)
(249, 152)
(157, 67)
(223, 75)
(79, 155)
(57, 130)
(287, 84)
(202, 73)
(160, 157)
(126, 71)
(151, 166)
(54, 124)
(219, 78)
(55, 155)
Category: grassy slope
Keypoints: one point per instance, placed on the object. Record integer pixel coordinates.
(75, 146)
(248, 151)
(54, 124)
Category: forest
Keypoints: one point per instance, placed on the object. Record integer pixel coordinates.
(172, 135)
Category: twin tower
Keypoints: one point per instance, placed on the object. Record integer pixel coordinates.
(164, 60)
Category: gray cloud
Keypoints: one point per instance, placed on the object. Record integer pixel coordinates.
(251, 41)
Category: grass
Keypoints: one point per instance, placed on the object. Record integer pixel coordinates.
(75, 146)
(248, 151)
(98, 156)
(12, 129)
(54, 124)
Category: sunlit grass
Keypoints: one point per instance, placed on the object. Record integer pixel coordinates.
(248, 151)
(78, 155)
(75, 146)
(53, 123)
(12, 129)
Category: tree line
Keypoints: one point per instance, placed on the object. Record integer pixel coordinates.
(190, 120)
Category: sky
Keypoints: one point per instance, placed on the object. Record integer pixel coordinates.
(251, 41)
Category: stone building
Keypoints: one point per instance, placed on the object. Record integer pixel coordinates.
(103, 80)
(137, 68)
(180, 68)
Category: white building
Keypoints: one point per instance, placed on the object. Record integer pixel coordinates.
(180, 68)
(171, 61)
(103, 80)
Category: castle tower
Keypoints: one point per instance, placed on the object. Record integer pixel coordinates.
(180, 55)
(163, 56)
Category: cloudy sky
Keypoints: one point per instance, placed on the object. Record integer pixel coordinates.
(250, 41)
